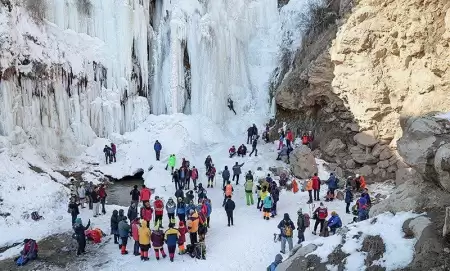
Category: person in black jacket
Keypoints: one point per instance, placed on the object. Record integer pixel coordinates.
(176, 179)
(237, 171)
(225, 176)
(80, 236)
(132, 213)
(249, 134)
(254, 144)
(135, 193)
(96, 201)
(73, 209)
(230, 105)
(229, 208)
(115, 226)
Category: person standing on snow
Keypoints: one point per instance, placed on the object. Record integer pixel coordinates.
(273, 265)
(115, 226)
(159, 211)
(287, 228)
(320, 214)
(73, 210)
(171, 163)
(316, 186)
(171, 236)
(192, 225)
(194, 176)
(147, 212)
(132, 213)
(334, 222)
(332, 186)
(144, 240)
(124, 233)
(157, 147)
(135, 234)
(208, 163)
(135, 195)
(309, 188)
(82, 194)
(176, 179)
(102, 194)
(182, 239)
(170, 208)
(225, 176)
(237, 172)
(181, 210)
(348, 199)
(248, 185)
(254, 144)
(113, 152)
(249, 134)
(267, 207)
(289, 138)
(249, 175)
(211, 175)
(145, 194)
(275, 193)
(182, 177)
(301, 226)
(107, 151)
(230, 105)
(229, 208)
(89, 188)
(208, 204)
(255, 131)
(96, 201)
(228, 191)
(79, 230)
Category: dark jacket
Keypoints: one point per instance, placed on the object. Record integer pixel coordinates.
(73, 208)
(226, 174)
(237, 169)
(332, 182)
(283, 224)
(181, 208)
(229, 205)
(115, 222)
(275, 193)
(124, 228)
(79, 231)
(250, 131)
(255, 143)
(179, 194)
(348, 196)
(132, 212)
(107, 151)
(208, 161)
(95, 197)
(157, 146)
(249, 176)
(301, 222)
(121, 214)
(135, 193)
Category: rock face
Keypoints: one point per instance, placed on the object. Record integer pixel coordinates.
(379, 53)
(303, 162)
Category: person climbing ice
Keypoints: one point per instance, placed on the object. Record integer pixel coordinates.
(230, 105)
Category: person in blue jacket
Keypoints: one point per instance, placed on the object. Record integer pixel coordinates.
(348, 198)
(332, 185)
(157, 147)
(363, 212)
(267, 207)
(366, 195)
(181, 210)
(274, 264)
(209, 210)
(171, 238)
(190, 206)
(334, 222)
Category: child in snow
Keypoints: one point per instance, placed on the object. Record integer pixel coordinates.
(115, 226)
(135, 234)
(182, 239)
(144, 240)
(157, 238)
(172, 235)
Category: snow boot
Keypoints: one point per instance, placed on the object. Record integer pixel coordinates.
(171, 259)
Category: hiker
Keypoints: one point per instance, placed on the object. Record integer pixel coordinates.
(289, 138)
(249, 175)
(267, 207)
(124, 233)
(135, 234)
(249, 191)
(171, 237)
(254, 144)
(102, 194)
(135, 195)
(132, 213)
(332, 183)
(348, 199)
(183, 174)
(181, 210)
(273, 265)
(366, 195)
(287, 228)
(107, 151)
(157, 238)
(310, 139)
(194, 176)
(192, 225)
(229, 208)
(89, 188)
(309, 188)
(144, 240)
(171, 163)
(225, 176)
(250, 132)
(228, 191)
(145, 194)
(305, 140)
(258, 196)
(232, 151)
(190, 194)
(237, 172)
(242, 151)
(179, 194)
(170, 208)
(182, 239)
(159, 211)
(211, 174)
(320, 214)
(73, 210)
(230, 105)
(176, 179)
(147, 212)
(266, 134)
(363, 212)
(360, 182)
(82, 194)
(79, 235)
(29, 252)
(115, 226)
(208, 204)
(283, 154)
(96, 201)
(316, 186)
(255, 131)
(275, 194)
(208, 163)
(281, 140)
(334, 222)
(113, 152)
(302, 224)
(157, 147)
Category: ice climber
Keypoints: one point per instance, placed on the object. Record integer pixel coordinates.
(230, 105)
(287, 228)
(237, 172)
(80, 236)
(229, 208)
(157, 147)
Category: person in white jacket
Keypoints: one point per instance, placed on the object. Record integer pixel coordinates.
(82, 194)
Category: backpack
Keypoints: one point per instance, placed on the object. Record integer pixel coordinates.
(288, 231)
(22, 260)
(306, 219)
(35, 216)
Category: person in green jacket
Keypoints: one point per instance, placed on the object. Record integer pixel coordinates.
(249, 191)
(172, 162)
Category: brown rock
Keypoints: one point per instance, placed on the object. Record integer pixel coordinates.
(366, 138)
(364, 158)
(334, 146)
(364, 171)
(383, 164)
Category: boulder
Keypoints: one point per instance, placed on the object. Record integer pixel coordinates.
(404, 174)
(386, 153)
(299, 260)
(364, 171)
(377, 149)
(303, 162)
(442, 166)
(350, 164)
(366, 138)
(364, 158)
(446, 229)
(333, 147)
(383, 164)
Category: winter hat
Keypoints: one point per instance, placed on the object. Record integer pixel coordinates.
(286, 216)
(357, 175)
(300, 211)
(156, 197)
(78, 221)
(181, 223)
(278, 258)
(333, 213)
(170, 198)
(321, 204)
(191, 211)
(180, 199)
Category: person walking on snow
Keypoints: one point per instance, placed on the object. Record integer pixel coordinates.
(242, 151)
(82, 195)
(171, 236)
(287, 228)
(225, 176)
(316, 186)
(80, 235)
(124, 233)
(144, 240)
(182, 239)
(229, 208)
(211, 175)
(102, 194)
(96, 202)
(332, 183)
(334, 222)
(73, 210)
(320, 214)
(232, 151)
(176, 179)
(273, 265)
(254, 144)
(147, 212)
(135, 195)
(181, 210)
(192, 225)
(309, 188)
(302, 224)
(157, 147)
(107, 151)
(135, 235)
(132, 213)
(348, 199)
(194, 176)
(159, 211)
(230, 105)
(208, 163)
(228, 191)
(113, 152)
(145, 194)
(157, 238)
(171, 163)
(267, 207)
(170, 208)
(115, 226)
(275, 193)
(249, 191)
(208, 204)
(237, 172)
(289, 138)
(250, 131)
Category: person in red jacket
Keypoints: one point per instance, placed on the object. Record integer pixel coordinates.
(320, 214)
(145, 194)
(113, 152)
(147, 212)
(194, 177)
(102, 195)
(316, 186)
(182, 239)
(135, 233)
(232, 151)
(159, 210)
(289, 138)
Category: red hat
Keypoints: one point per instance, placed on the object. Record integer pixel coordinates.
(181, 223)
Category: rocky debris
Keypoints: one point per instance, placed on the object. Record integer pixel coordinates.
(334, 146)
(374, 247)
(299, 260)
(404, 174)
(303, 162)
(442, 165)
(446, 228)
(366, 138)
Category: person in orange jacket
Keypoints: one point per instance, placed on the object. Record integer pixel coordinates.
(182, 239)
(192, 225)
(309, 188)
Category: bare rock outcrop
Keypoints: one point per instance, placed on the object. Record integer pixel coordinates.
(303, 163)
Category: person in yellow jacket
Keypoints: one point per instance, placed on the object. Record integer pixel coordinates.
(192, 225)
(144, 240)
(263, 194)
(309, 188)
